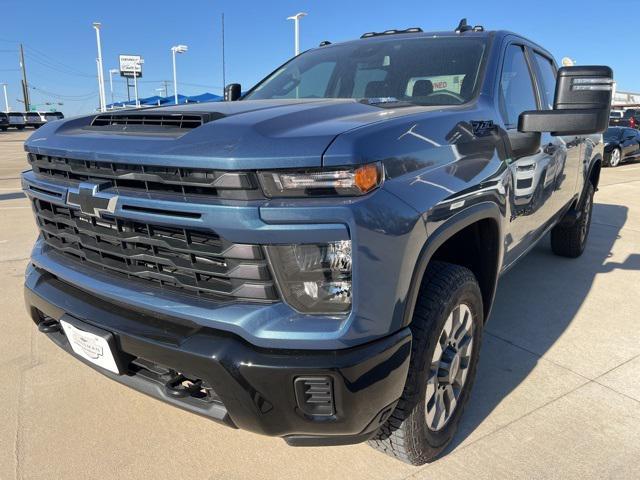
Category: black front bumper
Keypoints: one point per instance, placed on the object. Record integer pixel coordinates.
(249, 388)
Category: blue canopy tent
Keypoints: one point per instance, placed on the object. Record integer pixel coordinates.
(170, 100)
(204, 97)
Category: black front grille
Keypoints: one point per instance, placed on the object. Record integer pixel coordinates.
(192, 261)
(149, 178)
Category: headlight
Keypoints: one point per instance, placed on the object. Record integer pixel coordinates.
(314, 279)
(347, 182)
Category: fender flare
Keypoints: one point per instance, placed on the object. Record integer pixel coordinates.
(596, 162)
(453, 225)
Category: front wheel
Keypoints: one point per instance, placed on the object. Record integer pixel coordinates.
(447, 330)
(570, 241)
(614, 157)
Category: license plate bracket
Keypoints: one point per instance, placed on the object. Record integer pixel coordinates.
(93, 344)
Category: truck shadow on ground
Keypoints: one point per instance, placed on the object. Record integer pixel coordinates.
(536, 301)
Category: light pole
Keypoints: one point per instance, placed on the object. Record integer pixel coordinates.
(111, 72)
(174, 50)
(160, 90)
(138, 63)
(296, 20)
(103, 100)
(6, 101)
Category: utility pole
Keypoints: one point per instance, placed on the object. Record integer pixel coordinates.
(25, 85)
(166, 87)
(224, 75)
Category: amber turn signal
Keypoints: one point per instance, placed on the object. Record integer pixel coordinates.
(367, 177)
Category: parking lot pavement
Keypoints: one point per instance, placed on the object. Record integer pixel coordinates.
(557, 396)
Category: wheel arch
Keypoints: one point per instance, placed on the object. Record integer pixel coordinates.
(486, 216)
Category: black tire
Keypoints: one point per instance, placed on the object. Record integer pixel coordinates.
(21, 127)
(570, 241)
(406, 434)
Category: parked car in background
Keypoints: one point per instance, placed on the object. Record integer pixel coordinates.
(17, 120)
(615, 116)
(621, 144)
(34, 119)
(51, 116)
(4, 121)
(630, 118)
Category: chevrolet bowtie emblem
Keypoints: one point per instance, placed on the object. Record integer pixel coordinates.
(91, 200)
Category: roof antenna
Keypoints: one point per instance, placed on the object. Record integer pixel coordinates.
(463, 26)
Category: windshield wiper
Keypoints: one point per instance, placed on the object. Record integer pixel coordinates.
(384, 102)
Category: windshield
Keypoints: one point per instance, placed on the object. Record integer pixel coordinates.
(612, 134)
(422, 71)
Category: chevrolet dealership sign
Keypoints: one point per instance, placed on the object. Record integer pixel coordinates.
(131, 65)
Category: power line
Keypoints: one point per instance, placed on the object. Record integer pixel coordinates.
(53, 66)
(63, 96)
(45, 58)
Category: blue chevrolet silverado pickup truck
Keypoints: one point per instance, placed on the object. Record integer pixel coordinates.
(316, 259)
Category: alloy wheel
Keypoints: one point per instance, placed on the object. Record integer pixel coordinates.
(615, 158)
(449, 367)
(586, 221)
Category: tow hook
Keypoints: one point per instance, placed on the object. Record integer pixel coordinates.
(180, 386)
(49, 325)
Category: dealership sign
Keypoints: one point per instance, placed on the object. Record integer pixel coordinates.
(131, 65)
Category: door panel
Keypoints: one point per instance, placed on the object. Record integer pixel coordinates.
(566, 150)
(534, 176)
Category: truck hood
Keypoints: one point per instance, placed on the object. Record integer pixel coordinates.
(252, 134)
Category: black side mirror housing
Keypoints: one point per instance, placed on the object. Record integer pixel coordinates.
(524, 144)
(582, 103)
(232, 92)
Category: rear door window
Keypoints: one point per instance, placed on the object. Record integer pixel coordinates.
(516, 86)
(546, 79)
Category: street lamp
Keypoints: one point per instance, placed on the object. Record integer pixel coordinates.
(111, 72)
(174, 50)
(6, 101)
(160, 90)
(103, 100)
(296, 20)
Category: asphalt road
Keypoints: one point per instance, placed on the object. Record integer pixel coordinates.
(558, 393)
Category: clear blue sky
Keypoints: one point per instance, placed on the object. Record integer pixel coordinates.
(60, 43)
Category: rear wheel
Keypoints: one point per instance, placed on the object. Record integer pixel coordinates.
(614, 157)
(447, 330)
(570, 241)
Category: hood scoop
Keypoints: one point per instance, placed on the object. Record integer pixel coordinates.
(148, 122)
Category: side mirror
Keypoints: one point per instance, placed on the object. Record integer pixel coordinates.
(582, 104)
(232, 92)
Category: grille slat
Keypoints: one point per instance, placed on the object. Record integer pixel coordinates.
(192, 261)
(150, 178)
